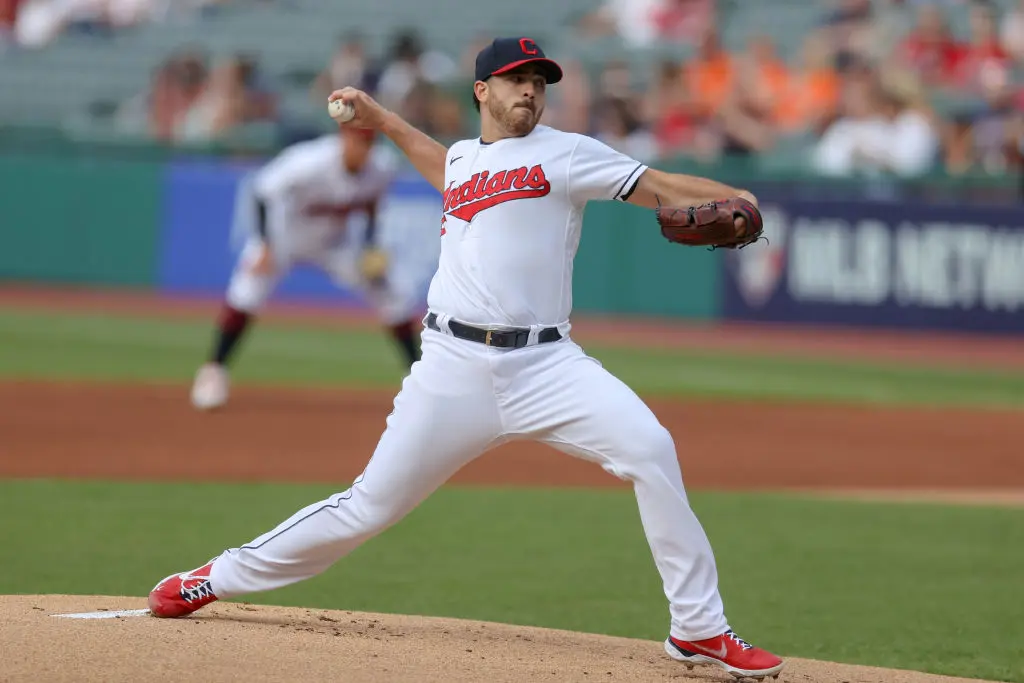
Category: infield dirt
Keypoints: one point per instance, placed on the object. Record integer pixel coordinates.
(229, 642)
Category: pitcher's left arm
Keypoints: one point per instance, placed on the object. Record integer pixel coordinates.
(699, 211)
(656, 188)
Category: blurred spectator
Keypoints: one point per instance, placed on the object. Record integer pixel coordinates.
(446, 116)
(746, 120)
(124, 13)
(643, 22)
(409, 64)
(710, 75)
(619, 127)
(984, 52)
(467, 60)
(914, 147)
(1012, 32)
(8, 18)
(8, 13)
(416, 104)
(631, 20)
(616, 82)
(988, 139)
(851, 29)
(882, 129)
(261, 96)
(174, 87)
(678, 21)
(568, 105)
(891, 21)
(811, 94)
(435, 111)
(676, 121)
(930, 50)
(349, 66)
(849, 11)
(768, 69)
(859, 134)
(747, 103)
(40, 21)
(229, 98)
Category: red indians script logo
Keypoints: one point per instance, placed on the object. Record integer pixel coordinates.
(484, 190)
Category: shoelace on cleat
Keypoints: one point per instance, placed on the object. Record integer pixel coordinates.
(200, 591)
(742, 643)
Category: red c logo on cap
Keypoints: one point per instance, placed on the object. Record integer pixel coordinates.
(527, 46)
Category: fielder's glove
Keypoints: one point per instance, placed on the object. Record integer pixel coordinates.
(373, 264)
(713, 224)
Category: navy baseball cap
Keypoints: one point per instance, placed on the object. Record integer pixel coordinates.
(505, 54)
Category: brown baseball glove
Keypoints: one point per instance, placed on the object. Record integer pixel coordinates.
(725, 223)
(373, 264)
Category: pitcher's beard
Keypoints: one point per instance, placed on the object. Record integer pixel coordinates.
(517, 121)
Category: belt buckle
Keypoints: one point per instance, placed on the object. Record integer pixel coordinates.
(487, 338)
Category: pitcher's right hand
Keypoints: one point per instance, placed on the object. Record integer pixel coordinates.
(369, 113)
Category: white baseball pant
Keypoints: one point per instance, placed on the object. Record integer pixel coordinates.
(396, 301)
(464, 398)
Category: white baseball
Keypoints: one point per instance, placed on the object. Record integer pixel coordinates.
(341, 111)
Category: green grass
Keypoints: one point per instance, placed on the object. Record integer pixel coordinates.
(97, 347)
(52, 346)
(922, 587)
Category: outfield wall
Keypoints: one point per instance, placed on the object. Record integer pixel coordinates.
(882, 264)
(167, 224)
(170, 226)
(78, 220)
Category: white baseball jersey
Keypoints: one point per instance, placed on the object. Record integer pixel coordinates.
(311, 203)
(511, 226)
(512, 217)
(310, 195)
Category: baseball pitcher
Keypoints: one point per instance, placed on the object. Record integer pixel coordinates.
(498, 360)
(317, 203)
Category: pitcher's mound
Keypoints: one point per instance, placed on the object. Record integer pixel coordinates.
(239, 642)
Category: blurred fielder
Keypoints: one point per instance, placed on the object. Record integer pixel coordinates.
(305, 207)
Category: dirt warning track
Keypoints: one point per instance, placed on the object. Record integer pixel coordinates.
(148, 431)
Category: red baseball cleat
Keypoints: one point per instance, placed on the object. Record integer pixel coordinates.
(181, 594)
(728, 651)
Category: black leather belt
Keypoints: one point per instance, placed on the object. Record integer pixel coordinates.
(505, 339)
